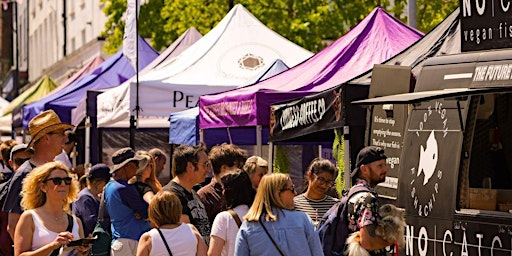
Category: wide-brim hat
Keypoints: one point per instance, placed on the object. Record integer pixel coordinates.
(125, 155)
(44, 123)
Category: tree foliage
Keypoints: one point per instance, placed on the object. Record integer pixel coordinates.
(309, 23)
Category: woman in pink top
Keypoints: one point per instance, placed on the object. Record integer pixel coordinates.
(46, 227)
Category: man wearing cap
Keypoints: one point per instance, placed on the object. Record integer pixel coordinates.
(128, 211)
(47, 132)
(190, 165)
(87, 205)
(371, 169)
(19, 155)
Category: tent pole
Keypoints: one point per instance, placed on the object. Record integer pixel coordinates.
(320, 151)
(270, 157)
(201, 135)
(258, 140)
(87, 139)
(346, 151)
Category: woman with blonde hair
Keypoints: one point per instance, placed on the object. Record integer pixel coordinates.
(170, 237)
(256, 167)
(46, 225)
(272, 226)
(145, 180)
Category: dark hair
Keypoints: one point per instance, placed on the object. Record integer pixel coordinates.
(237, 189)
(228, 154)
(5, 150)
(319, 165)
(71, 136)
(184, 154)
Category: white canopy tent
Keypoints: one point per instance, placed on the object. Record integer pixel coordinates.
(231, 55)
(5, 121)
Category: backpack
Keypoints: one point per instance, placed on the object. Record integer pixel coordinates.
(333, 228)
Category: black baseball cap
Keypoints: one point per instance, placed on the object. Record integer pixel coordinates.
(368, 155)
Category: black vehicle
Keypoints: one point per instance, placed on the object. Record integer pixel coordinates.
(455, 166)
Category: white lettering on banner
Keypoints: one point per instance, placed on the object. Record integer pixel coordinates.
(480, 6)
(243, 107)
(378, 119)
(448, 244)
(306, 113)
(493, 73)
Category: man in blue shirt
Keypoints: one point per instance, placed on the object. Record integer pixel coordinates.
(128, 211)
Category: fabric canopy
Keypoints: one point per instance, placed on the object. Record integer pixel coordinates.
(230, 55)
(443, 39)
(5, 121)
(113, 107)
(375, 39)
(184, 128)
(110, 73)
(34, 93)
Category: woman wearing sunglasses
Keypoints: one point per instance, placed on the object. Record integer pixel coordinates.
(314, 201)
(46, 227)
(272, 227)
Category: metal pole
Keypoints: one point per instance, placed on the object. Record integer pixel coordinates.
(134, 119)
(270, 157)
(346, 151)
(259, 142)
(411, 7)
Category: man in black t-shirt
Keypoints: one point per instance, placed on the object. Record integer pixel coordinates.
(190, 166)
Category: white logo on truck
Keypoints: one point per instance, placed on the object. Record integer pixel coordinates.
(428, 158)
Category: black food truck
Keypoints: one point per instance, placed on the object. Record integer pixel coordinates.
(455, 167)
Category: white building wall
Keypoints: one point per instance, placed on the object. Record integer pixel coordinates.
(84, 23)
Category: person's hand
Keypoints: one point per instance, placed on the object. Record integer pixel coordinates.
(62, 239)
(84, 250)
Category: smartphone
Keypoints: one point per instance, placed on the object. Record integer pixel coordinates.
(82, 242)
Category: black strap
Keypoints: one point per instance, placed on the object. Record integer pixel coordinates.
(69, 229)
(165, 242)
(272, 239)
(235, 216)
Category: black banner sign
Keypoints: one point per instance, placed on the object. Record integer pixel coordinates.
(485, 24)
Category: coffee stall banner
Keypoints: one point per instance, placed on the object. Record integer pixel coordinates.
(306, 115)
(485, 24)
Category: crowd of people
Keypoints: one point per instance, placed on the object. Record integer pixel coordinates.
(243, 210)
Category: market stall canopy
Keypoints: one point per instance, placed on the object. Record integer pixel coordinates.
(232, 54)
(184, 128)
(34, 93)
(442, 40)
(113, 107)
(114, 71)
(374, 40)
(5, 121)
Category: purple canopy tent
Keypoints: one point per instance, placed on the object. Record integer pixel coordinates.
(375, 39)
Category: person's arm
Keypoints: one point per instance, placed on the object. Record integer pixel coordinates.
(144, 247)
(12, 221)
(148, 196)
(216, 246)
(23, 238)
(370, 241)
(132, 199)
(201, 245)
(315, 246)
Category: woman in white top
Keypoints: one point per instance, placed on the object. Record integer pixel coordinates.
(170, 234)
(238, 197)
(47, 192)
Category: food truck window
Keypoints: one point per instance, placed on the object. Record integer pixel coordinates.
(490, 163)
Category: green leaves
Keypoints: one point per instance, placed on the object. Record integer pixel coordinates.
(308, 23)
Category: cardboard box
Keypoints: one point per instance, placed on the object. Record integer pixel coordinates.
(482, 199)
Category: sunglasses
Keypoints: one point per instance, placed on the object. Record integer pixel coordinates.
(20, 161)
(58, 181)
(292, 189)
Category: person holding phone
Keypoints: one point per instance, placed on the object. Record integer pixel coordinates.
(46, 226)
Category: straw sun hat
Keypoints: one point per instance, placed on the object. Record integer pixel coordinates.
(44, 123)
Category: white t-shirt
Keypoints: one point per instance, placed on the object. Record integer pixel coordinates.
(181, 241)
(63, 157)
(224, 226)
